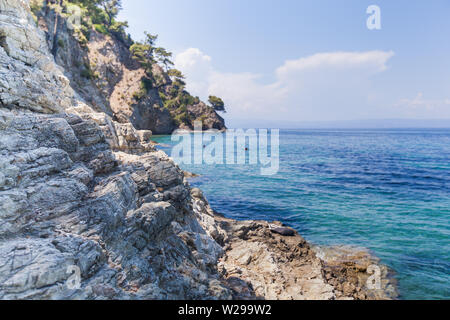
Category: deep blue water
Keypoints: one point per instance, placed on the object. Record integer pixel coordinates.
(386, 190)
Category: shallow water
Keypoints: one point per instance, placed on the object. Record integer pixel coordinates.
(387, 190)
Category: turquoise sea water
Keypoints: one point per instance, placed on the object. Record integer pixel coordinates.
(386, 190)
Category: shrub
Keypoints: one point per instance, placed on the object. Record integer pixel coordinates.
(202, 118)
(36, 6)
(85, 73)
(182, 118)
(101, 29)
(145, 86)
(88, 73)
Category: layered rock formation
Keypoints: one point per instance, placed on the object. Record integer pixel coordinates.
(79, 189)
(30, 79)
(83, 189)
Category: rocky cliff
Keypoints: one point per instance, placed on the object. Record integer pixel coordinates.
(82, 188)
(78, 188)
(102, 70)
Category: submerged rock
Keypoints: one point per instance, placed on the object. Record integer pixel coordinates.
(284, 231)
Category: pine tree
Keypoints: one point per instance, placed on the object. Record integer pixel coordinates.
(144, 52)
(217, 103)
(111, 8)
(163, 56)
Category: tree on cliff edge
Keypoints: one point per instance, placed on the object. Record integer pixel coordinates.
(147, 54)
(111, 8)
(163, 56)
(217, 103)
(144, 52)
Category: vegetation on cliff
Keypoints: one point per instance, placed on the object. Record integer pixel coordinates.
(101, 16)
(91, 210)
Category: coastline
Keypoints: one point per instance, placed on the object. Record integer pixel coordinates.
(260, 264)
(82, 191)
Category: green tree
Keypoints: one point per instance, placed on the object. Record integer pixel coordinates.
(217, 103)
(111, 8)
(176, 75)
(144, 52)
(178, 81)
(163, 56)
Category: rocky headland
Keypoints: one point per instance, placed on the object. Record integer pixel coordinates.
(81, 184)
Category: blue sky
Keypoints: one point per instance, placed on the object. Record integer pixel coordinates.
(307, 60)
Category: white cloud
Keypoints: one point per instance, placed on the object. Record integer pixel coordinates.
(419, 107)
(371, 61)
(191, 59)
(323, 86)
(420, 103)
(197, 66)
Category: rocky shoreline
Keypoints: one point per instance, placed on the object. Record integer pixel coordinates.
(261, 264)
(89, 209)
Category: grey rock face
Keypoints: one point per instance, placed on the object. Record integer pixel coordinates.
(81, 192)
(29, 78)
(68, 199)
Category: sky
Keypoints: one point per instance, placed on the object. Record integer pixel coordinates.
(306, 61)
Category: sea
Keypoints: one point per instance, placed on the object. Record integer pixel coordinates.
(387, 190)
